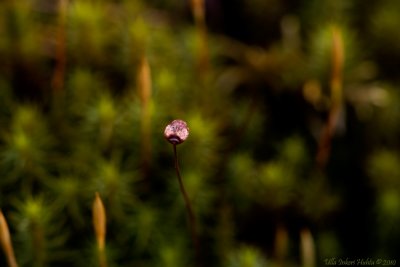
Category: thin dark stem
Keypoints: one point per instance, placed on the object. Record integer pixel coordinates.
(192, 219)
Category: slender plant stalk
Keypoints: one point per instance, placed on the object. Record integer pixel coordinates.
(61, 58)
(307, 247)
(338, 57)
(5, 241)
(144, 87)
(99, 223)
(198, 11)
(192, 219)
(281, 245)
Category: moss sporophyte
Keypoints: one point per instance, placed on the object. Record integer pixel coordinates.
(5, 242)
(176, 133)
(99, 224)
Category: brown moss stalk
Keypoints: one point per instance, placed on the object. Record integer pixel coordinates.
(198, 10)
(307, 248)
(60, 50)
(144, 90)
(189, 209)
(281, 245)
(176, 133)
(99, 224)
(336, 82)
(6, 244)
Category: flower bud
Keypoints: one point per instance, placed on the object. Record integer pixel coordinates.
(176, 132)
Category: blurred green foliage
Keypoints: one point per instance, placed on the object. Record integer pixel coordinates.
(76, 119)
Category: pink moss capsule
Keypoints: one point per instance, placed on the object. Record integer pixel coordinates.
(176, 132)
